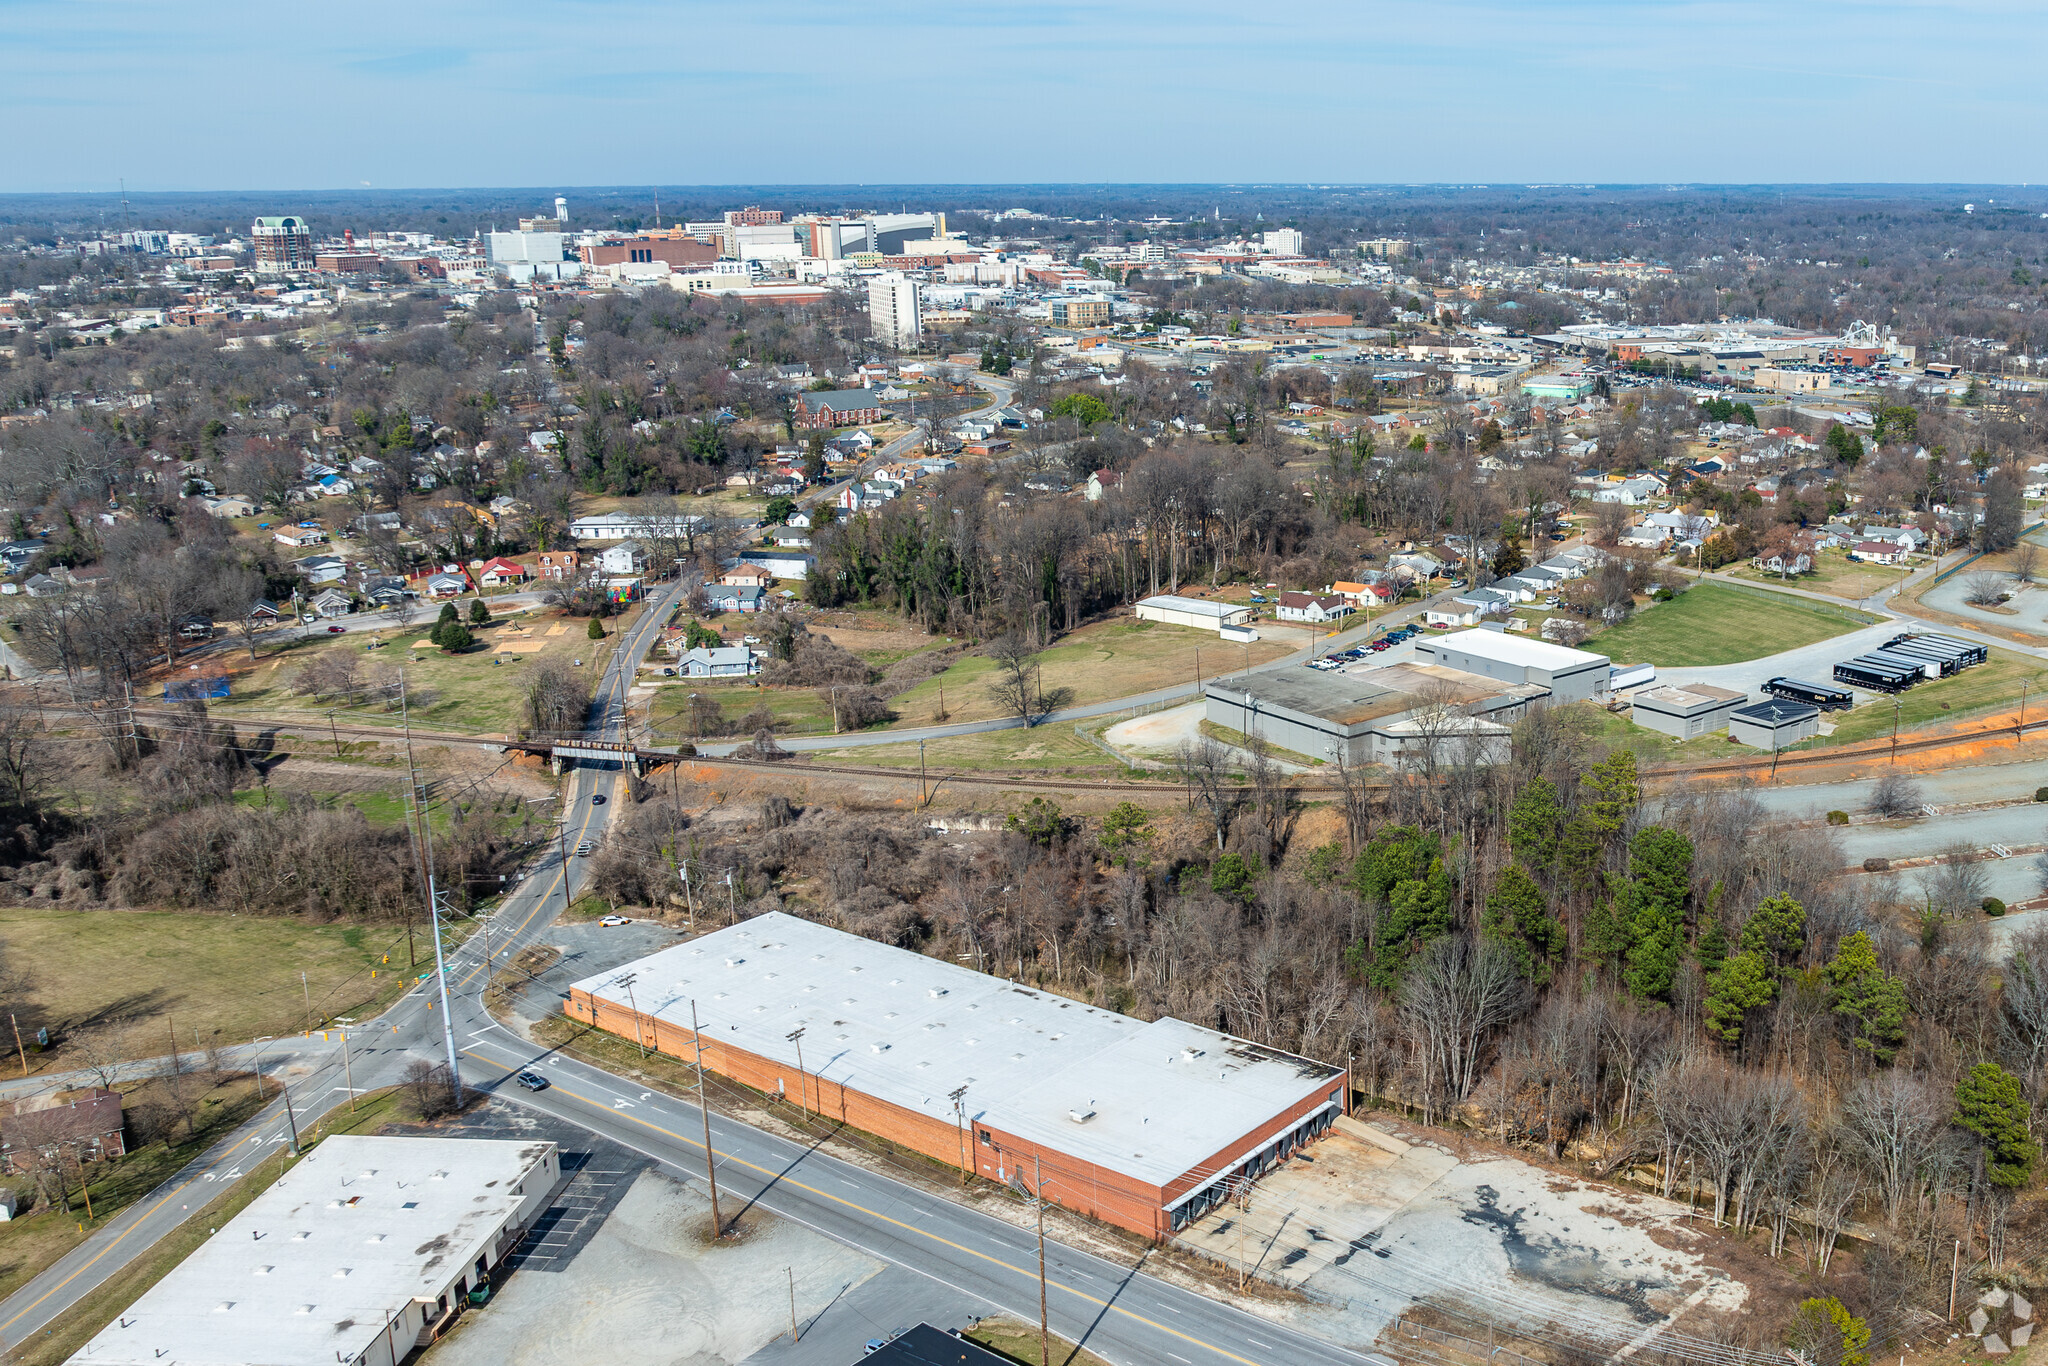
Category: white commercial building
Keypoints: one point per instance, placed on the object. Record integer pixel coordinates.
(360, 1253)
(1570, 675)
(892, 309)
(1197, 612)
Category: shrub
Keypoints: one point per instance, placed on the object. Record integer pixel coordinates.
(1993, 906)
(1876, 865)
(1838, 818)
(596, 629)
(2041, 794)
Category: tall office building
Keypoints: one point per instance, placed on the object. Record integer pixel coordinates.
(282, 244)
(892, 309)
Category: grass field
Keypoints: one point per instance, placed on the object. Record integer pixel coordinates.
(797, 711)
(477, 691)
(1835, 575)
(1047, 748)
(1994, 682)
(76, 1326)
(231, 978)
(1713, 623)
(1615, 730)
(1099, 662)
(1021, 1343)
(32, 1242)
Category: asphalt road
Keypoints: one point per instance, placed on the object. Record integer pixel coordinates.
(315, 1069)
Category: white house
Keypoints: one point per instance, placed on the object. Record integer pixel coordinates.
(322, 568)
(627, 557)
(726, 661)
(332, 603)
(1313, 607)
(299, 536)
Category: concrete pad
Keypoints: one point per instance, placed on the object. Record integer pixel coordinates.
(1315, 1207)
(2022, 1309)
(1994, 1297)
(1995, 1345)
(2021, 1334)
(646, 1267)
(1979, 1321)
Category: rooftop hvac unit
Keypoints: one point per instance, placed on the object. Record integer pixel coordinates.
(1080, 1116)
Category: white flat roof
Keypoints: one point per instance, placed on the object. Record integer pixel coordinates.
(1498, 645)
(313, 1269)
(909, 1029)
(1201, 606)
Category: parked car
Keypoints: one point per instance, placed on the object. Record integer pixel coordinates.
(614, 920)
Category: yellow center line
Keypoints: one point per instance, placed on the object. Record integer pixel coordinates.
(775, 1178)
(116, 1240)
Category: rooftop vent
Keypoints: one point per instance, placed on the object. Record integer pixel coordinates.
(1080, 1116)
(734, 962)
(936, 992)
(263, 1270)
(878, 1048)
(1190, 1054)
(223, 1306)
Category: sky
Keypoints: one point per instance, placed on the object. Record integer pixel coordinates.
(238, 95)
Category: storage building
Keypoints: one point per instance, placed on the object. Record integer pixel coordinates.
(1569, 675)
(1688, 712)
(1388, 715)
(1197, 612)
(1774, 723)
(1142, 1125)
(365, 1250)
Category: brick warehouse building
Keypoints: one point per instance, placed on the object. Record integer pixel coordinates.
(1145, 1126)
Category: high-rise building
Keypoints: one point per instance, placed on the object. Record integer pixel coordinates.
(892, 309)
(752, 217)
(282, 244)
(1282, 241)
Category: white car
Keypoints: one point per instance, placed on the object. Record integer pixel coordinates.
(611, 920)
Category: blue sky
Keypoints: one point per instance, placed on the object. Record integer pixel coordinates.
(205, 94)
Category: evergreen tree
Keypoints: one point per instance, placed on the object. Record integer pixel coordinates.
(1713, 941)
(1419, 911)
(1871, 1000)
(448, 614)
(596, 629)
(1744, 983)
(1614, 792)
(1990, 1104)
(1517, 919)
(1827, 1334)
(479, 615)
(1777, 929)
(453, 636)
(1604, 930)
(1535, 825)
(1231, 877)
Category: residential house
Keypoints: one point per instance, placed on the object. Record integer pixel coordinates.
(558, 564)
(1101, 482)
(74, 1126)
(1907, 537)
(1316, 607)
(444, 585)
(332, 603)
(1879, 552)
(1643, 536)
(1523, 587)
(747, 576)
(385, 590)
(263, 609)
(501, 572)
(799, 519)
(1634, 492)
(783, 564)
(1785, 563)
(230, 506)
(1467, 609)
(1379, 589)
(16, 555)
(627, 557)
(299, 537)
(42, 586)
(724, 598)
(1419, 563)
(322, 568)
(726, 661)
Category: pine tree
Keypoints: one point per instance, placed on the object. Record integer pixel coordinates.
(1535, 825)
(1713, 941)
(1517, 919)
(1743, 984)
(1990, 1104)
(1865, 995)
(596, 629)
(479, 615)
(1776, 928)
(1419, 911)
(1615, 793)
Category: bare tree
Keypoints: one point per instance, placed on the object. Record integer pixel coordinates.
(1956, 884)
(1205, 767)
(2026, 563)
(1459, 995)
(1895, 794)
(1893, 1123)
(25, 764)
(1016, 687)
(1985, 589)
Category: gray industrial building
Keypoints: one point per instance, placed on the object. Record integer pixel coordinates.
(1388, 715)
(1688, 712)
(1567, 675)
(1774, 723)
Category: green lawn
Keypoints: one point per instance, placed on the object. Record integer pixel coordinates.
(797, 711)
(1053, 747)
(1615, 730)
(1994, 682)
(231, 978)
(1713, 623)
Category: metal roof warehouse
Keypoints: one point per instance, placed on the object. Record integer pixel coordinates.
(1141, 1125)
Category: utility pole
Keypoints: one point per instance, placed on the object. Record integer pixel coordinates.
(305, 987)
(1895, 730)
(348, 1072)
(1044, 1331)
(333, 734)
(689, 903)
(732, 900)
(920, 774)
(17, 1042)
(960, 1123)
(627, 982)
(704, 1109)
(562, 845)
(796, 1036)
(791, 1273)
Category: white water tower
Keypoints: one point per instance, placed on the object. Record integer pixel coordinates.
(561, 209)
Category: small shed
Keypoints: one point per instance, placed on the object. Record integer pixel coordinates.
(1774, 723)
(1686, 713)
